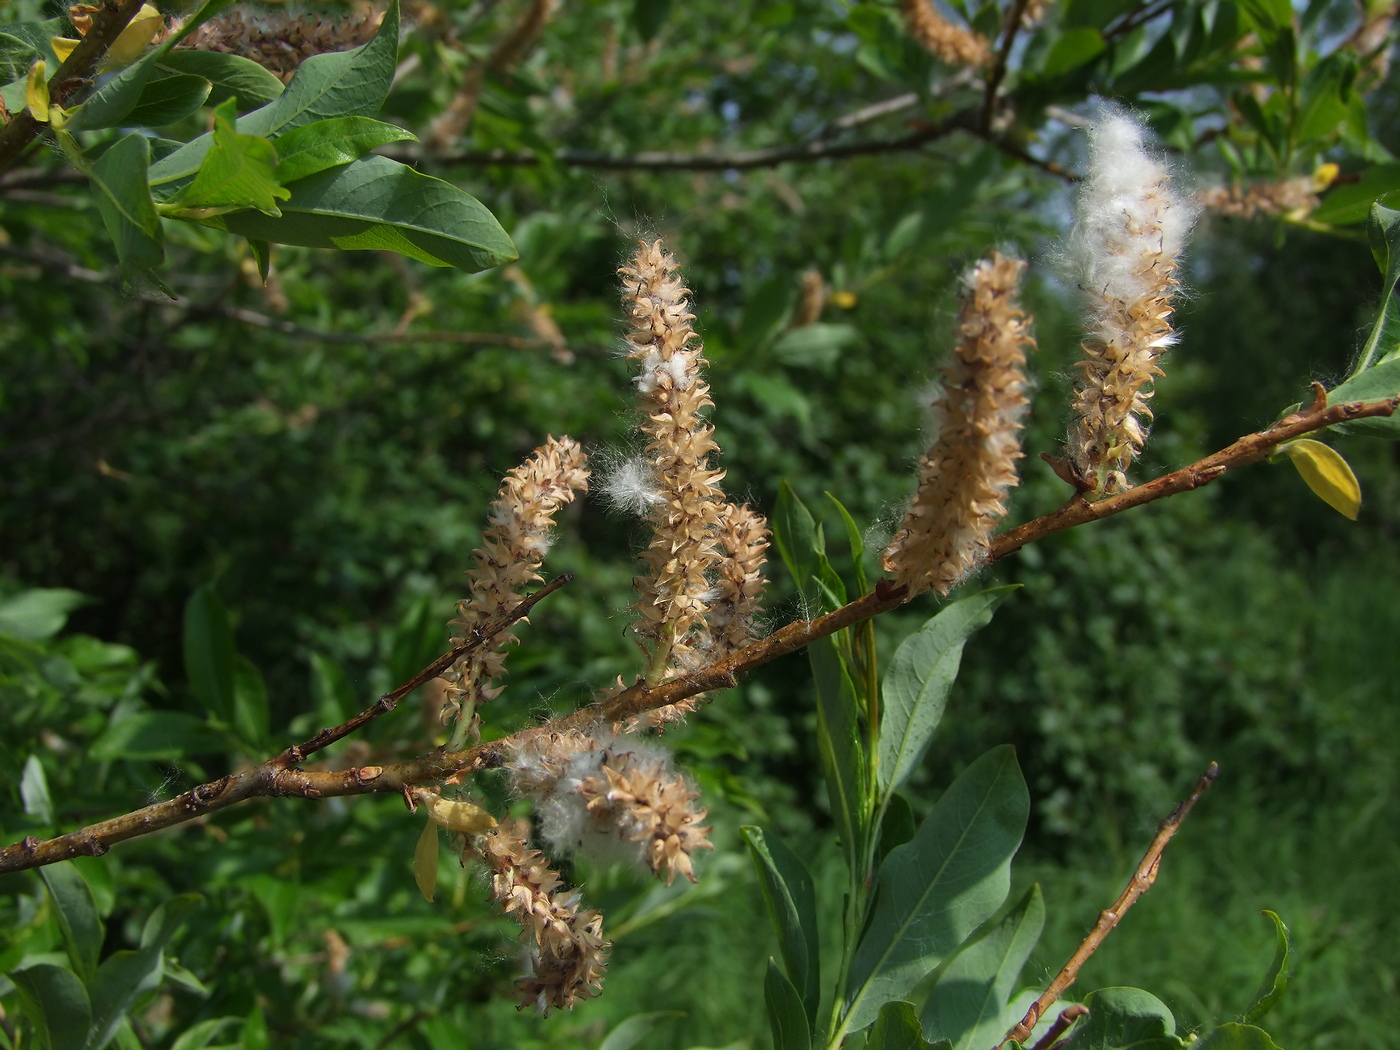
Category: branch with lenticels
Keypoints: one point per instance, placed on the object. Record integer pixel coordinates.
(278, 776)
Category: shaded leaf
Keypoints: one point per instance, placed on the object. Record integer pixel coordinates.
(634, 1029)
(1074, 48)
(839, 743)
(792, 905)
(786, 1017)
(897, 1028)
(124, 199)
(120, 981)
(168, 98)
(77, 916)
(331, 692)
(936, 889)
(795, 536)
(156, 735)
(16, 58)
(1327, 474)
(250, 714)
(1125, 1019)
(209, 653)
(202, 1034)
(234, 77)
(916, 686)
(34, 792)
(1351, 201)
(56, 1002)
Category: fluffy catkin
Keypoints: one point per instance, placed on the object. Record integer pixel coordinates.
(564, 945)
(684, 503)
(948, 42)
(1260, 198)
(610, 798)
(1127, 241)
(280, 42)
(965, 477)
(510, 557)
(739, 580)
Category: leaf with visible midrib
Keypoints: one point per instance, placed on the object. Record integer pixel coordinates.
(1377, 371)
(936, 889)
(377, 203)
(124, 199)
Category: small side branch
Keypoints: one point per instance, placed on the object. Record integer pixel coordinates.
(1140, 883)
(1015, 15)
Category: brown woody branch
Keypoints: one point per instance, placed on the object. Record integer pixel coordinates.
(275, 777)
(1140, 883)
(1015, 15)
(72, 77)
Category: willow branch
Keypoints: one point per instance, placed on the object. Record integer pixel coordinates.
(1015, 15)
(275, 778)
(1140, 883)
(73, 76)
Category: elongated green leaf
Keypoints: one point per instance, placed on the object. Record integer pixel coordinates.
(341, 84)
(1232, 1036)
(795, 535)
(838, 740)
(792, 905)
(1074, 48)
(379, 204)
(157, 734)
(1125, 1019)
(168, 97)
(122, 978)
(636, 1028)
(935, 890)
(897, 1028)
(230, 76)
(1352, 201)
(255, 1034)
(916, 685)
(200, 1035)
(238, 172)
(855, 540)
(1275, 981)
(77, 916)
(968, 1003)
(124, 199)
(1376, 373)
(250, 708)
(56, 1002)
(38, 614)
(786, 1016)
(108, 106)
(16, 57)
(331, 692)
(34, 791)
(209, 653)
(331, 143)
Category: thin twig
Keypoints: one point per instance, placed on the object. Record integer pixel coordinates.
(1140, 883)
(74, 75)
(1067, 1017)
(271, 779)
(1015, 14)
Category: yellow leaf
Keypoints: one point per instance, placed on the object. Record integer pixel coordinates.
(425, 861)
(138, 33)
(62, 47)
(1327, 474)
(1325, 175)
(843, 299)
(456, 815)
(36, 93)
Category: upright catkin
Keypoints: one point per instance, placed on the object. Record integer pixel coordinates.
(1127, 241)
(965, 477)
(947, 41)
(682, 501)
(510, 557)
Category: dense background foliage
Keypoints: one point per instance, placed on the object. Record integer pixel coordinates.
(322, 449)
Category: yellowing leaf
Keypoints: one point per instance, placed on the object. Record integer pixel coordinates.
(425, 861)
(1327, 474)
(36, 92)
(1325, 175)
(62, 47)
(138, 33)
(843, 299)
(456, 815)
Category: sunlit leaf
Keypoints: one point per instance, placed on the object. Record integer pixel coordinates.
(1327, 474)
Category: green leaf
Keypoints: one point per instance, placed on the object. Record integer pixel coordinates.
(839, 743)
(340, 84)
(766, 311)
(1276, 979)
(896, 826)
(786, 1017)
(16, 57)
(331, 692)
(77, 916)
(231, 77)
(255, 1034)
(156, 735)
(168, 97)
(936, 889)
(120, 981)
(34, 792)
(250, 716)
(56, 1002)
(856, 542)
(816, 345)
(200, 1035)
(634, 1029)
(1074, 48)
(331, 143)
(1125, 1019)
(1376, 373)
(1232, 1036)
(1351, 202)
(795, 535)
(378, 204)
(238, 172)
(108, 106)
(792, 905)
(897, 1028)
(916, 686)
(209, 653)
(648, 16)
(124, 199)
(39, 614)
(967, 1004)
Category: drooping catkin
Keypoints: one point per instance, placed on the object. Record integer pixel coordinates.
(1127, 242)
(676, 489)
(966, 475)
(510, 557)
(610, 798)
(565, 948)
(947, 41)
